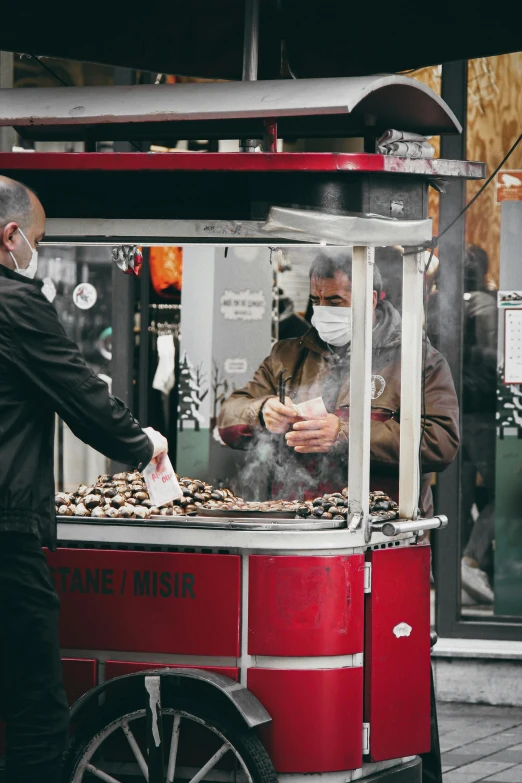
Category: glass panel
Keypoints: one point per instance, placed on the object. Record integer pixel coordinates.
(491, 521)
(81, 279)
(234, 305)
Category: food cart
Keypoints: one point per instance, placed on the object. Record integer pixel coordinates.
(239, 648)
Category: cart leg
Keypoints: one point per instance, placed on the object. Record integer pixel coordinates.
(154, 730)
(431, 762)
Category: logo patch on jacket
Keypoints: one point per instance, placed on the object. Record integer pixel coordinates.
(378, 386)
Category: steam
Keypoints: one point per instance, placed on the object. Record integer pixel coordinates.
(273, 470)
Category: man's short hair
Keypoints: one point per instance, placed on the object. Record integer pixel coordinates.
(327, 263)
(15, 204)
(476, 267)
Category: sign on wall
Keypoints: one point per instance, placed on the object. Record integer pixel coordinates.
(509, 185)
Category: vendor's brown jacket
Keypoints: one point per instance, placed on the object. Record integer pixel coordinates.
(318, 371)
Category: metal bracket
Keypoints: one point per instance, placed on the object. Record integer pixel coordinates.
(367, 577)
(366, 739)
(367, 527)
(359, 520)
(154, 762)
(355, 522)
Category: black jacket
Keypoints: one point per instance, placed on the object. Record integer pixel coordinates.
(42, 373)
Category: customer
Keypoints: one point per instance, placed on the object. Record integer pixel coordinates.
(41, 373)
(479, 427)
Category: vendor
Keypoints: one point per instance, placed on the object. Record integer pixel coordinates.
(310, 457)
(42, 373)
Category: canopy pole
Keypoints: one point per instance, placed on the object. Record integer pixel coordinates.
(250, 56)
(251, 41)
(411, 384)
(360, 390)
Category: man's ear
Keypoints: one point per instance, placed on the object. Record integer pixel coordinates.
(374, 299)
(8, 234)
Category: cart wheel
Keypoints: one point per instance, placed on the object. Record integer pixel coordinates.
(195, 741)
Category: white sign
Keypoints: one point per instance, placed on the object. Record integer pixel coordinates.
(49, 289)
(511, 299)
(402, 629)
(513, 347)
(233, 366)
(509, 185)
(85, 296)
(162, 483)
(244, 305)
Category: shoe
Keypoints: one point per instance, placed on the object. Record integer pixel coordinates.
(466, 599)
(476, 583)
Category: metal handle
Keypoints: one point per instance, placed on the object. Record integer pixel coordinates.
(414, 526)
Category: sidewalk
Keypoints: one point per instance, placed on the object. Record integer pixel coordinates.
(480, 743)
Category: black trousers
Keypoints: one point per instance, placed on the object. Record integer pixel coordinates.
(33, 703)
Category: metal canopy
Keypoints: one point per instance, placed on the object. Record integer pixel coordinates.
(308, 107)
(365, 230)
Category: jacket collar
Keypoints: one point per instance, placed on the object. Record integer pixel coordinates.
(10, 273)
(313, 342)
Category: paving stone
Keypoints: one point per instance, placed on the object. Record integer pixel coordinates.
(485, 747)
(456, 776)
(484, 767)
(508, 754)
(480, 743)
(490, 733)
(457, 758)
(511, 775)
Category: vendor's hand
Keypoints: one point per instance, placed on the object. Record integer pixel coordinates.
(160, 443)
(318, 435)
(279, 418)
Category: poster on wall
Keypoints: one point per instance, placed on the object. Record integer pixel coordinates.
(509, 185)
(513, 347)
(509, 299)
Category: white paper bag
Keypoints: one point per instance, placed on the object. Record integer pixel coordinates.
(162, 484)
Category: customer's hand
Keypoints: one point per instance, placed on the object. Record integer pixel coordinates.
(317, 435)
(279, 418)
(160, 443)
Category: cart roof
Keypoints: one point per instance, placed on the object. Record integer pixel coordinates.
(203, 38)
(308, 107)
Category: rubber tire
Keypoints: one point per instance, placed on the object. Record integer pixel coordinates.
(244, 740)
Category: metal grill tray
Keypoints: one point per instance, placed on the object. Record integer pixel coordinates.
(225, 523)
(244, 514)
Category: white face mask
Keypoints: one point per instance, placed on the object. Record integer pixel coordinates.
(334, 324)
(30, 270)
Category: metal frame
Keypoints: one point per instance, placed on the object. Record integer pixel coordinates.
(451, 285)
(122, 362)
(360, 392)
(411, 384)
(248, 707)
(390, 232)
(144, 355)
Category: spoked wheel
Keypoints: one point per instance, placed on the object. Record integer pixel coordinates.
(197, 748)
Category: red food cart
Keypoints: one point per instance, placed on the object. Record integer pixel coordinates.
(238, 649)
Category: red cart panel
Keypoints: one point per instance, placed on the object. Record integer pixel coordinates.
(148, 601)
(316, 718)
(397, 653)
(118, 668)
(306, 605)
(79, 676)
